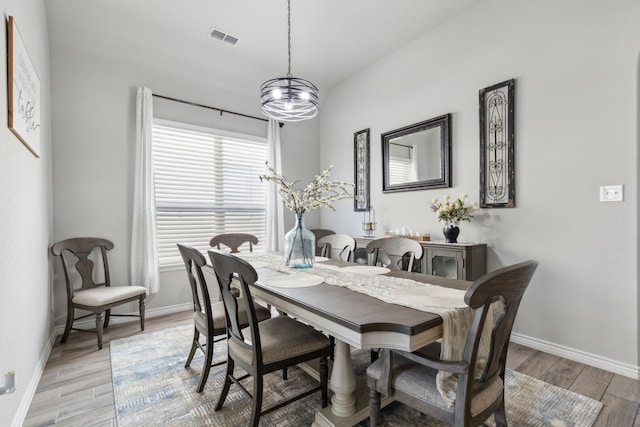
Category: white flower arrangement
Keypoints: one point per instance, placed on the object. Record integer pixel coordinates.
(454, 211)
(321, 192)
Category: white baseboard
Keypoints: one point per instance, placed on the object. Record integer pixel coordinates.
(607, 364)
(21, 414)
(23, 409)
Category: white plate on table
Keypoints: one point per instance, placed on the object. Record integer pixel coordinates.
(295, 280)
(321, 259)
(365, 269)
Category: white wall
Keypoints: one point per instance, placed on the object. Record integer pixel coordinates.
(93, 141)
(25, 205)
(576, 68)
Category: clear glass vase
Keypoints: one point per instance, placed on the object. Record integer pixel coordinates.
(299, 245)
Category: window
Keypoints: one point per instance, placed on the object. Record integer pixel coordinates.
(206, 183)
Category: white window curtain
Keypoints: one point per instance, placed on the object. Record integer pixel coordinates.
(144, 258)
(274, 207)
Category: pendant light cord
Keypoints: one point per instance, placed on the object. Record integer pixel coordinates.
(289, 33)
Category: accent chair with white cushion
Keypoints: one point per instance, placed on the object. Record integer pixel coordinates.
(89, 288)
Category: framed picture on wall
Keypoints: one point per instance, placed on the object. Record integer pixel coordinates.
(361, 170)
(497, 144)
(23, 88)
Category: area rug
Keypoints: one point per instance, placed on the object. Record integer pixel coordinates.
(153, 388)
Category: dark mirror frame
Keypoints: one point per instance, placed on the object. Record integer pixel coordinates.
(444, 181)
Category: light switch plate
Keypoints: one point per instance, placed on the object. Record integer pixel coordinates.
(611, 193)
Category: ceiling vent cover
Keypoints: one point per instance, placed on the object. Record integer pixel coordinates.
(223, 37)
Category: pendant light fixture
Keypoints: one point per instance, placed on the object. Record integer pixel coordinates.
(289, 99)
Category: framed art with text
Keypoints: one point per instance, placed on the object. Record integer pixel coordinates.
(23, 88)
(361, 170)
(497, 144)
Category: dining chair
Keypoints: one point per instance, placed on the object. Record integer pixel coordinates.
(400, 251)
(233, 241)
(411, 377)
(337, 246)
(209, 319)
(319, 233)
(263, 347)
(89, 287)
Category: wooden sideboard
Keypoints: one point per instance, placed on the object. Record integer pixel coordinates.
(464, 261)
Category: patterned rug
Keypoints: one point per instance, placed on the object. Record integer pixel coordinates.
(153, 388)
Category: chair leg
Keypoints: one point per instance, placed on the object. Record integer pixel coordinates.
(207, 364)
(257, 400)
(332, 341)
(194, 347)
(285, 374)
(99, 329)
(107, 317)
(374, 408)
(499, 416)
(67, 328)
(324, 380)
(226, 385)
(141, 305)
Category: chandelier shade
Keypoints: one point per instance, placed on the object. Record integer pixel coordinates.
(289, 99)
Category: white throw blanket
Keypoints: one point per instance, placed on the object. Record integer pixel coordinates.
(448, 303)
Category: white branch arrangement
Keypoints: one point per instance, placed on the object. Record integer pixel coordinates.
(321, 192)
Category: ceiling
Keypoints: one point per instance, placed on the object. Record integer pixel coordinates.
(331, 39)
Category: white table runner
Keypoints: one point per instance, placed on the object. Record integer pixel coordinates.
(448, 303)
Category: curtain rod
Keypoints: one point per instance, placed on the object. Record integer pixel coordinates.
(213, 108)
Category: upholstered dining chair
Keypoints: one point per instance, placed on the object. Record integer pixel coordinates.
(411, 377)
(84, 293)
(233, 241)
(337, 246)
(263, 347)
(399, 250)
(209, 319)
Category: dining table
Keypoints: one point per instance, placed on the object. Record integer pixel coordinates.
(334, 297)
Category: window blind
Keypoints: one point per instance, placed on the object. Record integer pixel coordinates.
(399, 170)
(206, 183)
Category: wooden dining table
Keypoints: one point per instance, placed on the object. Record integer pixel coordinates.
(354, 320)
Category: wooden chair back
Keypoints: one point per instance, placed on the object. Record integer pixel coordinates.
(320, 233)
(506, 286)
(401, 252)
(193, 263)
(233, 241)
(76, 255)
(229, 270)
(337, 246)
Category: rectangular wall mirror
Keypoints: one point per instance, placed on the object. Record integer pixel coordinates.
(418, 156)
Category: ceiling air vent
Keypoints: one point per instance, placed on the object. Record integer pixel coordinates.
(223, 37)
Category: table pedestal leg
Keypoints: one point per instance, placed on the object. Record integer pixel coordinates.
(342, 382)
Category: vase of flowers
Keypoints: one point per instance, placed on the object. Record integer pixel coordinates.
(300, 243)
(452, 212)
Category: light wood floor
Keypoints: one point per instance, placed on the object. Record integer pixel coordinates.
(76, 390)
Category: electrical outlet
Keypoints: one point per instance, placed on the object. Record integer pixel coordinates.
(611, 193)
(9, 385)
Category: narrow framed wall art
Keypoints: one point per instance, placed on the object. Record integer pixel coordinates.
(497, 145)
(23, 88)
(361, 171)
